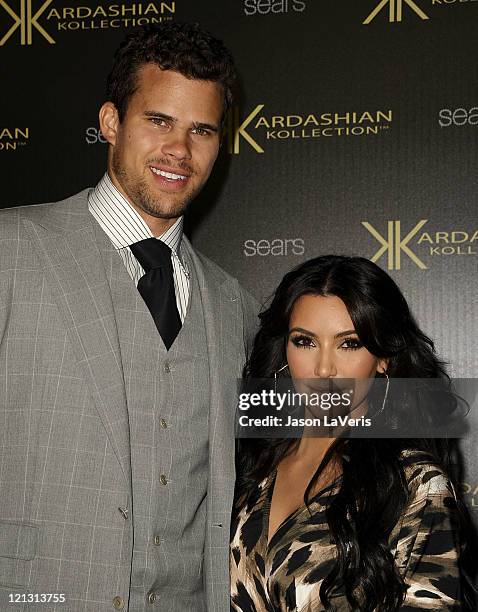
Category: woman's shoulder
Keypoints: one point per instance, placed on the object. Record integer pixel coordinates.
(425, 476)
(425, 541)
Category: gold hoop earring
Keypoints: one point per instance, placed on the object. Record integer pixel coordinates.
(278, 372)
(385, 395)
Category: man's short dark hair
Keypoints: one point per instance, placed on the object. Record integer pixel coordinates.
(183, 47)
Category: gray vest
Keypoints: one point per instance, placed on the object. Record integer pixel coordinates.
(168, 405)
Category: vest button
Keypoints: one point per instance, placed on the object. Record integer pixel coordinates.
(118, 603)
(163, 423)
(151, 598)
(163, 480)
(157, 540)
(167, 367)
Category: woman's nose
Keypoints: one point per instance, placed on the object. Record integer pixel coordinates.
(325, 365)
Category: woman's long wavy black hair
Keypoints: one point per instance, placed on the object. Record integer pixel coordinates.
(361, 517)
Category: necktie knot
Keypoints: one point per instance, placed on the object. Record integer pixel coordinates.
(151, 253)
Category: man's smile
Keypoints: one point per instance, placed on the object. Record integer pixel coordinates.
(169, 177)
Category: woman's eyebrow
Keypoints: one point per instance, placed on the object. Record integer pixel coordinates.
(345, 333)
(302, 330)
(309, 333)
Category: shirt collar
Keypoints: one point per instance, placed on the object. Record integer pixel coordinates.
(122, 223)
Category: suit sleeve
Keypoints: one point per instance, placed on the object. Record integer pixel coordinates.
(250, 314)
(427, 549)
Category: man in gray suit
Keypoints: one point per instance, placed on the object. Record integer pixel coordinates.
(119, 350)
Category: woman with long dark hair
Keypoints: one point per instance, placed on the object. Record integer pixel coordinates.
(347, 523)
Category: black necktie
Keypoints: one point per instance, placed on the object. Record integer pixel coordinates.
(157, 286)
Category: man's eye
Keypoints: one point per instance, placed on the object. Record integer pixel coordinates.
(302, 341)
(201, 131)
(158, 121)
(351, 344)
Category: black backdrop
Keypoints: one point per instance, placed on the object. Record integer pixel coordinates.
(356, 134)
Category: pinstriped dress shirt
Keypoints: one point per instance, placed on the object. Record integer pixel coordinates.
(124, 226)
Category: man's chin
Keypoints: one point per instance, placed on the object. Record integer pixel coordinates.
(159, 204)
(162, 210)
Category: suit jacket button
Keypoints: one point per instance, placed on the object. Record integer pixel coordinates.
(118, 603)
(163, 480)
(124, 512)
(151, 598)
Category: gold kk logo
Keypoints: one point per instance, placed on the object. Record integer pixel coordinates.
(395, 10)
(26, 21)
(237, 130)
(394, 244)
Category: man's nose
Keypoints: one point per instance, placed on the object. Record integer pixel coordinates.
(177, 145)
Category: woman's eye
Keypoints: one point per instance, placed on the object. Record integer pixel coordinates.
(351, 344)
(302, 341)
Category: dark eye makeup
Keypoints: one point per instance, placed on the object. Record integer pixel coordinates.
(304, 341)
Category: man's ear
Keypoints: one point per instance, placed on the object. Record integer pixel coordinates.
(382, 366)
(109, 122)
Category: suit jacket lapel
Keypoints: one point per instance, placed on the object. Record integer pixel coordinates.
(223, 322)
(68, 244)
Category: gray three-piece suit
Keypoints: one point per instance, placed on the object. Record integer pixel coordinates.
(117, 456)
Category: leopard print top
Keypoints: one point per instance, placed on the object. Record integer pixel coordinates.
(285, 574)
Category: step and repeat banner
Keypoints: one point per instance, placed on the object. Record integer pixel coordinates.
(357, 133)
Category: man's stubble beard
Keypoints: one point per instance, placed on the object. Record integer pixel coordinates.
(141, 196)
